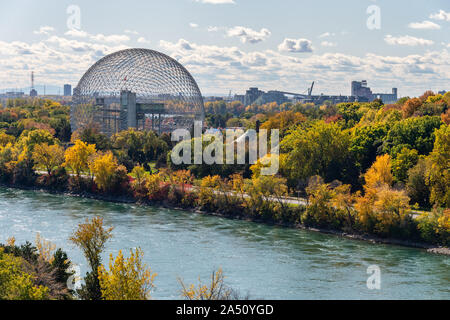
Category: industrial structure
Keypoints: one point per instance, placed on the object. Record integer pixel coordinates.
(137, 88)
(33, 92)
(256, 96)
(362, 92)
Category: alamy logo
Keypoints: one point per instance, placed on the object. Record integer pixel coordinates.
(374, 19)
(74, 281)
(74, 19)
(374, 281)
(209, 148)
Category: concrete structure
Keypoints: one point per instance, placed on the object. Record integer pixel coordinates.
(67, 90)
(272, 96)
(361, 92)
(252, 95)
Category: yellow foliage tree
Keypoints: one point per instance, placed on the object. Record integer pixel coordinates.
(45, 248)
(382, 208)
(15, 284)
(216, 290)
(380, 173)
(91, 237)
(77, 157)
(127, 279)
(103, 168)
(48, 156)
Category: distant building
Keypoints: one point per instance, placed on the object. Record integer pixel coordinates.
(13, 95)
(252, 95)
(212, 99)
(361, 92)
(272, 96)
(239, 97)
(33, 93)
(387, 97)
(67, 90)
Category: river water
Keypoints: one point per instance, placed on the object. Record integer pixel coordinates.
(263, 261)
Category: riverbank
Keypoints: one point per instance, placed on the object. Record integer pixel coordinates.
(167, 205)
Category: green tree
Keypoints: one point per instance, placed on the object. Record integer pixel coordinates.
(416, 186)
(439, 172)
(366, 142)
(404, 160)
(322, 149)
(412, 133)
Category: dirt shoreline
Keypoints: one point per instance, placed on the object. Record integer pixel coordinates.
(129, 200)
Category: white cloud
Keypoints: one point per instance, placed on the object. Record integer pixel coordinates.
(44, 30)
(328, 44)
(248, 35)
(114, 38)
(223, 68)
(213, 29)
(295, 45)
(441, 15)
(216, 1)
(143, 40)
(77, 33)
(327, 34)
(427, 25)
(193, 25)
(407, 41)
(131, 32)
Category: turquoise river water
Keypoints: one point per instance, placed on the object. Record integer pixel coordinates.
(263, 261)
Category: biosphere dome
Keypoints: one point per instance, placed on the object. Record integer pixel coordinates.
(138, 88)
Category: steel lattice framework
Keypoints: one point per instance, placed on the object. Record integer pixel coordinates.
(154, 77)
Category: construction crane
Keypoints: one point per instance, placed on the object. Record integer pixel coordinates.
(310, 90)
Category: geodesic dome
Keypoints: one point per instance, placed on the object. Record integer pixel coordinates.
(153, 77)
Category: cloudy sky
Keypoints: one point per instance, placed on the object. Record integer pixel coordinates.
(234, 44)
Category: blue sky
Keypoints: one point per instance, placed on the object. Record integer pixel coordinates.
(234, 44)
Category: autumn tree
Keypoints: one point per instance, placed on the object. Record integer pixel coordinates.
(91, 238)
(48, 156)
(6, 139)
(29, 139)
(126, 279)
(139, 184)
(382, 209)
(283, 121)
(215, 290)
(410, 107)
(15, 283)
(103, 167)
(77, 157)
